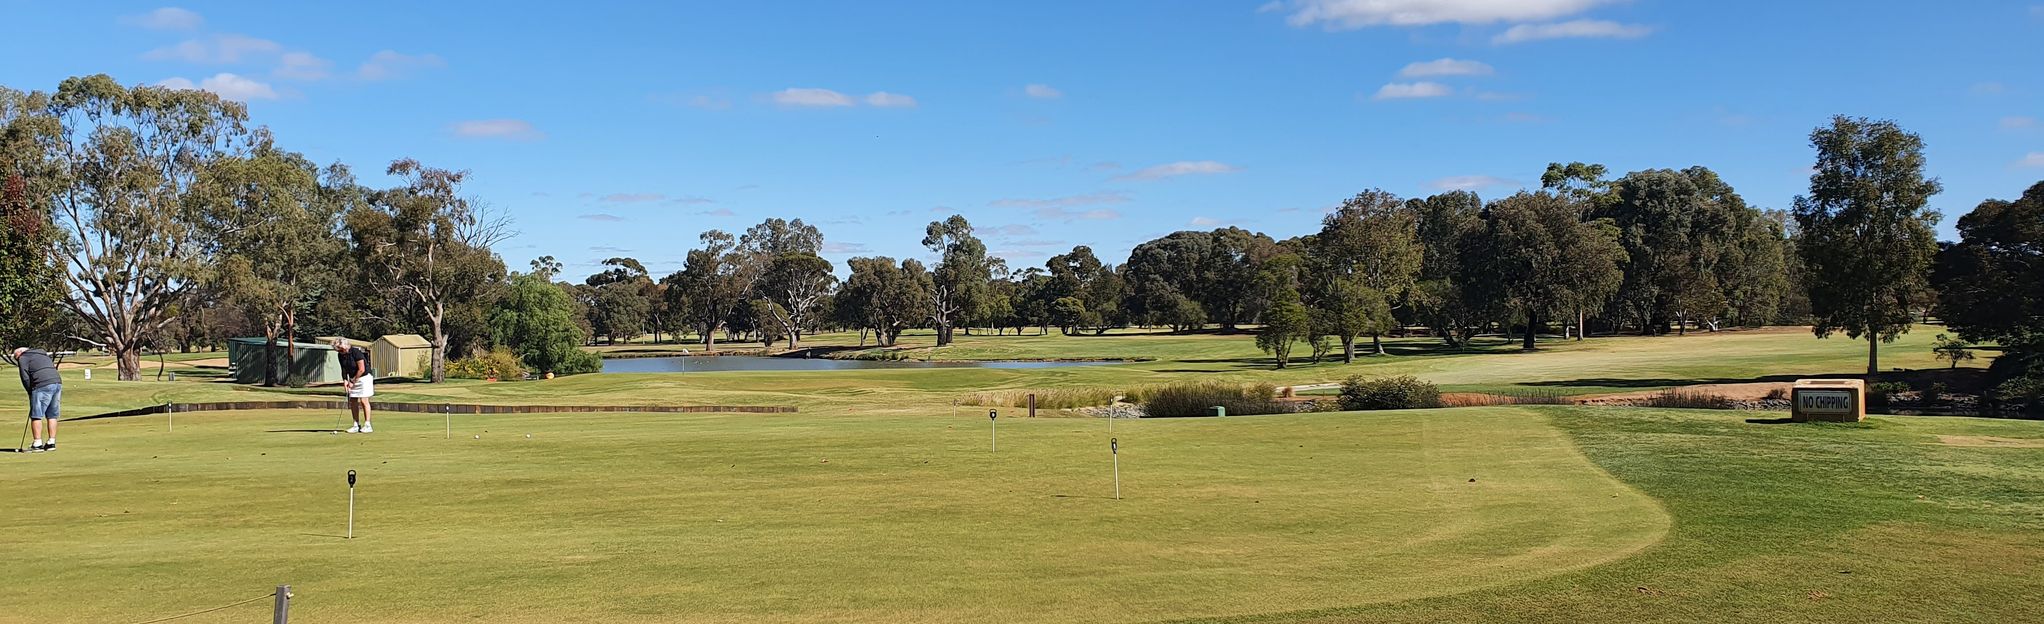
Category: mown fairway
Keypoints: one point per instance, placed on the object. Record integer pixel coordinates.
(880, 502)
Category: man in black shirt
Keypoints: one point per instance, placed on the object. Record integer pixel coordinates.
(45, 388)
(360, 384)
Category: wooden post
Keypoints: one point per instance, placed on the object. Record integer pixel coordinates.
(1032, 405)
(281, 614)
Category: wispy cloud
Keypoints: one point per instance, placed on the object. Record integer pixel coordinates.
(1180, 168)
(166, 18)
(691, 200)
(1446, 67)
(845, 248)
(2032, 159)
(1520, 117)
(1104, 165)
(226, 85)
(608, 218)
(1353, 14)
(884, 99)
(811, 98)
(2017, 122)
(631, 198)
(1075, 214)
(302, 66)
(1574, 29)
(1987, 88)
(1411, 90)
(1469, 183)
(1016, 229)
(510, 129)
(391, 64)
(1203, 222)
(720, 212)
(215, 50)
(1042, 92)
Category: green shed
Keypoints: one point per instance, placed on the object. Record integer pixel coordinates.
(314, 364)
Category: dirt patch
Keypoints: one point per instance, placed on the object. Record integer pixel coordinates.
(1990, 441)
(213, 362)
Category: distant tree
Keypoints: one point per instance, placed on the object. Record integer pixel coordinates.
(415, 242)
(775, 237)
(546, 267)
(1867, 236)
(622, 300)
(1991, 289)
(536, 320)
(884, 297)
(1285, 323)
(1211, 268)
(960, 279)
(1344, 308)
(1371, 242)
(1578, 180)
(713, 284)
(761, 315)
(1436, 300)
(1542, 257)
(798, 284)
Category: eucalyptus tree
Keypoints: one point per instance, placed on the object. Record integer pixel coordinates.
(1372, 242)
(1436, 299)
(31, 282)
(122, 163)
(960, 281)
(414, 244)
(280, 246)
(714, 285)
(1534, 255)
(797, 284)
(1867, 237)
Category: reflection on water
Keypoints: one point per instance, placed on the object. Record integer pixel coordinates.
(687, 364)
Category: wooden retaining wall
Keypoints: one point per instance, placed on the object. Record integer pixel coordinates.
(446, 408)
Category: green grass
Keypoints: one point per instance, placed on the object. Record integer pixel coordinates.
(879, 501)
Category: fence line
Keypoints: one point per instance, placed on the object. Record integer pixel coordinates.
(206, 611)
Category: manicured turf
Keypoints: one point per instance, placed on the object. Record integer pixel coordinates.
(880, 502)
(803, 518)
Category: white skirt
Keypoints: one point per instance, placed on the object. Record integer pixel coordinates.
(365, 387)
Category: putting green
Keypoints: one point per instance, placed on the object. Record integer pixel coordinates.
(815, 516)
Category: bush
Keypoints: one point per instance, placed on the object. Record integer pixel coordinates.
(1528, 396)
(1689, 399)
(1198, 398)
(578, 363)
(1389, 393)
(499, 363)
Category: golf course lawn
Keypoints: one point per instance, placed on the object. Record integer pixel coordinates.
(882, 501)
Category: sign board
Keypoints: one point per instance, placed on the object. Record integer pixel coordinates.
(1829, 400)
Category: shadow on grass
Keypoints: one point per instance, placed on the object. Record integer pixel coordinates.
(1769, 421)
(301, 431)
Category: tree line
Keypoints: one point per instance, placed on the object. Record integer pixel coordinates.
(149, 218)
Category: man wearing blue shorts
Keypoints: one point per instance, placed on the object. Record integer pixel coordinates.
(45, 389)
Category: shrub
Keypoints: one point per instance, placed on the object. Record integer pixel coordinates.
(578, 363)
(499, 363)
(1389, 393)
(1888, 387)
(1778, 394)
(1528, 396)
(1198, 398)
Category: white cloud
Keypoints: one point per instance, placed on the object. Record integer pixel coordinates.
(1180, 168)
(1411, 90)
(302, 66)
(227, 86)
(2032, 159)
(1352, 14)
(691, 200)
(1203, 222)
(1585, 28)
(1043, 92)
(1469, 182)
(811, 98)
(1446, 67)
(389, 64)
(708, 102)
(218, 49)
(2018, 122)
(720, 212)
(631, 198)
(608, 218)
(166, 18)
(512, 129)
(1017, 229)
(884, 99)
(1069, 201)
(845, 248)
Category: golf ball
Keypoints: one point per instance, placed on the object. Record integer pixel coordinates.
(479, 437)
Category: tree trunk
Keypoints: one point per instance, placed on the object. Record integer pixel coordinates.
(1873, 354)
(270, 360)
(439, 345)
(1532, 320)
(1582, 325)
(129, 357)
(1348, 349)
(1377, 341)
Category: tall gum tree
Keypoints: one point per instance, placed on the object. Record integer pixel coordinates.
(1868, 239)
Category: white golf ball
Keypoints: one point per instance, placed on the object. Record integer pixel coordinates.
(479, 437)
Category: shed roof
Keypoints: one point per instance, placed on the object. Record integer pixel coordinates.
(407, 341)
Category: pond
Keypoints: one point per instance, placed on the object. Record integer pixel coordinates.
(706, 364)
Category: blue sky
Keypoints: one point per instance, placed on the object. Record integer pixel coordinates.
(626, 129)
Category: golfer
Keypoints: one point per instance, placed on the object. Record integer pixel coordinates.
(361, 385)
(45, 388)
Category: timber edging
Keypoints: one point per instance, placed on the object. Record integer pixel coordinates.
(445, 408)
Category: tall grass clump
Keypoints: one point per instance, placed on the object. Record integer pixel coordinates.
(1389, 393)
(1531, 396)
(1689, 399)
(1198, 398)
(1053, 398)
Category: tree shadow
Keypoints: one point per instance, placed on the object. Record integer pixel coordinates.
(301, 431)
